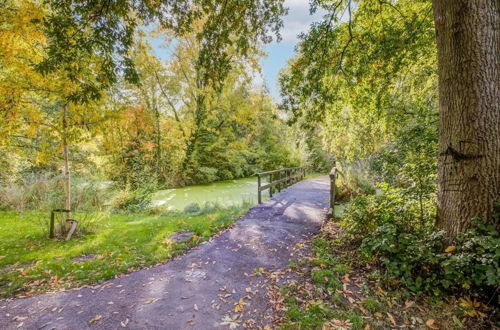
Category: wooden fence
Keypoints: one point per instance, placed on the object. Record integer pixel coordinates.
(280, 179)
(333, 177)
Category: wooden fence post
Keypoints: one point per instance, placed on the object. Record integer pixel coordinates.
(270, 188)
(333, 175)
(259, 198)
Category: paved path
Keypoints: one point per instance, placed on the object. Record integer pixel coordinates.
(197, 290)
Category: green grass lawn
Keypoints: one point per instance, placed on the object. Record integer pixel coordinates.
(31, 263)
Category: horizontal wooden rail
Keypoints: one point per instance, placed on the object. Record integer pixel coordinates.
(279, 178)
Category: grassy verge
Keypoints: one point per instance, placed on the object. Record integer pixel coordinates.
(30, 263)
(330, 288)
(312, 175)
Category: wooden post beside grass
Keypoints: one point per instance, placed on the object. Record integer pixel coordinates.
(333, 176)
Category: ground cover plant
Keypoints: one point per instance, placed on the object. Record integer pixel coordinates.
(334, 287)
(114, 244)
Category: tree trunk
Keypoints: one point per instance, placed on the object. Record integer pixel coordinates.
(468, 44)
(158, 143)
(67, 177)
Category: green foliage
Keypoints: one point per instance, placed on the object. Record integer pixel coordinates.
(326, 278)
(192, 208)
(353, 180)
(371, 305)
(414, 254)
(77, 31)
(365, 214)
(363, 80)
(476, 260)
(408, 259)
(132, 200)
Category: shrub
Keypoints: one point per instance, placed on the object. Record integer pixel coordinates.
(132, 201)
(365, 214)
(392, 230)
(408, 259)
(475, 258)
(206, 175)
(422, 262)
(353, 180)
(192, 208)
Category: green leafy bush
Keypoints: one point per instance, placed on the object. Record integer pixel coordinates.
(365, 214)
(353, 180)
(475, 258)
(192, 208)
(413, 253)
(408, 259)
(132, 200)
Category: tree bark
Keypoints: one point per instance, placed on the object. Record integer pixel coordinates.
(67, 177)
(468, 44)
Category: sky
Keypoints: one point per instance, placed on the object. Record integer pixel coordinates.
(297, 21)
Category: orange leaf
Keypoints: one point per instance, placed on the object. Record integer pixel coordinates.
(391, 318)
(450, 249)
(431, 324)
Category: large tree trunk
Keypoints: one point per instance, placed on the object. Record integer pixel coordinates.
(468, 43)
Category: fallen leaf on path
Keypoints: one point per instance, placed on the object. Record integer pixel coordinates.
(124, 323)
(232, 322)
(20, 324)
(150, 301)
(19, 318)
(95, 319)
(238, 307)
(431, 323)
(391, 318)
(409, 303)
(195, 307)
(337, 325)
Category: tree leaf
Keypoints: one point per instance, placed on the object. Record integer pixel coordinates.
(431, 323)
(95, 319)
(450, 249)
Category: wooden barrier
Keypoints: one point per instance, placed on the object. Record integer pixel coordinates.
(333, 177)
(280, 179)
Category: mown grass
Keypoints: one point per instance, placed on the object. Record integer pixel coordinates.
(31, 263)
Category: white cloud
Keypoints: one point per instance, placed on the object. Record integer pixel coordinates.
(298, 19)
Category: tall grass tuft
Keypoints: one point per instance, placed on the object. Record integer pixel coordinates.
(44, 192)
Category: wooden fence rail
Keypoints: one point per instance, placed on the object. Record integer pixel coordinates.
(280, 179)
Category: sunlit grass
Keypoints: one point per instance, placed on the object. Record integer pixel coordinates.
(118, 243)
